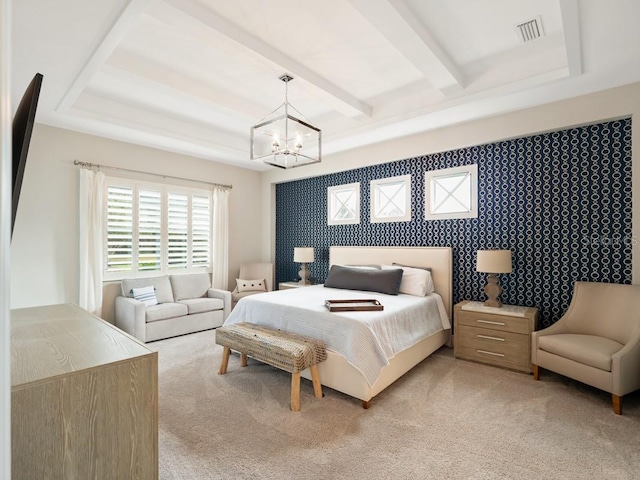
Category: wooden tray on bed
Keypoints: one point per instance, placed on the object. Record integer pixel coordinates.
(355, 305)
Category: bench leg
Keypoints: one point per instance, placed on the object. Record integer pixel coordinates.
(295, 392)
(366, 404)
(315, 378)
(225, 361)
(243, 359)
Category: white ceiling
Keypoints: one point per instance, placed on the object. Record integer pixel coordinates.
(192, 76)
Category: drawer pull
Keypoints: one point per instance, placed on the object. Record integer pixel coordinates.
(490, 322)
(491, 353)
(492, 338)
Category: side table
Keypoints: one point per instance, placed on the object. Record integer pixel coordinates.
(497, 336)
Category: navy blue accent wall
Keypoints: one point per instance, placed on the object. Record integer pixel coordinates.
(561, 201)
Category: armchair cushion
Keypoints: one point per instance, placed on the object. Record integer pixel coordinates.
(586, 349)
(258, 285)
(235, 297)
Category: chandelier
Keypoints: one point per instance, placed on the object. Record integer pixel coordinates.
(285, 138)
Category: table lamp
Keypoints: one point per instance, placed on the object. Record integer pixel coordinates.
(493, 262)
(303, 255)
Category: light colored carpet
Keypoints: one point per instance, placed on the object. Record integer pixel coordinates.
(446, 418)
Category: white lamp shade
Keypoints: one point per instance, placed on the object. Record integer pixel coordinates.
(494, 261)
(303, 254)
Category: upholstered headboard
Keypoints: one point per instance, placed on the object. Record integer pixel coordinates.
(439, 259)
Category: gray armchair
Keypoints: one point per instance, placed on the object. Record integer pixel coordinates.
(597, 341)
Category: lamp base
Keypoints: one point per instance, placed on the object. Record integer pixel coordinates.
(304, 274)
(493, 291)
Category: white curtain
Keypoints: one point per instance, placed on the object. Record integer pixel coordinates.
(220, 239)
(91, 237)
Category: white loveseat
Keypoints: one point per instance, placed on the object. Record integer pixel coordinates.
(186, 304)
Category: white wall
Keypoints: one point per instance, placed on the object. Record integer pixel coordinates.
(44, 250)
(5, 228)
(609, 104)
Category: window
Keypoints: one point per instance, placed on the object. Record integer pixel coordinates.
(155, 229)
(391, 199)
(451, 193)
(343, 204)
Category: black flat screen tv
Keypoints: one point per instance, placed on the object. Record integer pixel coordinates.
(21, 128)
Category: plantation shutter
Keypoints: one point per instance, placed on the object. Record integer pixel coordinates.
(178, 230)
(201, 230)
(119, 254)
(153, 229)
(149, 230)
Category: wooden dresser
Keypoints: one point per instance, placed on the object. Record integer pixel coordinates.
(497, 336)
(84, 398)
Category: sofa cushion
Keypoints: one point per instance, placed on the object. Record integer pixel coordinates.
(189, 286)
(199, 305)
(586, 349)
(161, 284)
(164, 311)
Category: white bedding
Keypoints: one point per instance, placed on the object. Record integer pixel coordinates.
(366, 339)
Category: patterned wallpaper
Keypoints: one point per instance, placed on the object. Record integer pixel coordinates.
(561, 201)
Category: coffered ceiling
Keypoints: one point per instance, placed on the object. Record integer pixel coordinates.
(192, 76)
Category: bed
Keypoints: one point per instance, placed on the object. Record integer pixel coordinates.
(379, 360)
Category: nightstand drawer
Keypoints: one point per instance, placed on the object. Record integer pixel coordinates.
(491, 346)
(494, 322)
(513, 360)
(492, 340)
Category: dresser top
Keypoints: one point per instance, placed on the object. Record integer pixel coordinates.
(61, 339)
(511, 310)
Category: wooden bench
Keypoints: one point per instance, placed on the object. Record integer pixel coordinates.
(288, 351)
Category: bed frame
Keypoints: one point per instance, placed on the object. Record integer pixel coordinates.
(336, 372)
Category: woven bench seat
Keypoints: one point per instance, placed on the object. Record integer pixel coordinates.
(287, 351)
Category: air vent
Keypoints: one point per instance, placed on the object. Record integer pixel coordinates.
(530, 30)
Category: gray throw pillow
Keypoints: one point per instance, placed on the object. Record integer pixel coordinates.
(382, 281)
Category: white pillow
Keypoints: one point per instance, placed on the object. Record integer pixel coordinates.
(251, 285)
(415, 281)
(146, 295)
(363, 267)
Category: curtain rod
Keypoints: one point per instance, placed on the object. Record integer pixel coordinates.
(98, 166)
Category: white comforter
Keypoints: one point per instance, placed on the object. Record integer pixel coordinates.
(366, 339)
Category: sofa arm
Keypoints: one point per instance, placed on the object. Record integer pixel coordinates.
(131, 317)
(223, 295)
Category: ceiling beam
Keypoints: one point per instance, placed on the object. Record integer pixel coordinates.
(339, 99)
(399, 25)
(110, 41)
(571, 31)
(141, 118)
(160, 79)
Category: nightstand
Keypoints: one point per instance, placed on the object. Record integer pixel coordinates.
(285, 285)
(497, 336)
